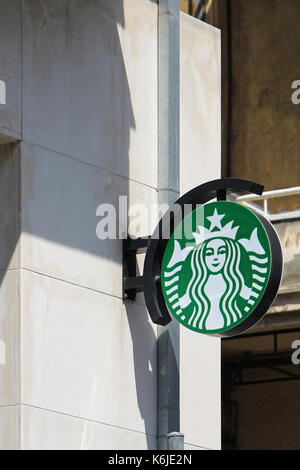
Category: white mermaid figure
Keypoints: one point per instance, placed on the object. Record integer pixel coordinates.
(217, 282)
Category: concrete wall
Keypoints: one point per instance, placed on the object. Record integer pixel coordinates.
(289, 234)
(9, 295)
(88, 359)
(81, 373)
(10, 71)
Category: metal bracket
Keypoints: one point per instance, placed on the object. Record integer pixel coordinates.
(132, 283)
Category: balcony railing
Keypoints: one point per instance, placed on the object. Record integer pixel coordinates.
(250, 200)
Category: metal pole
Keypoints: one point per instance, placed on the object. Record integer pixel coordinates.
(175, 441)
(168, 191)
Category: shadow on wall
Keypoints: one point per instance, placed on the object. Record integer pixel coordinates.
(9, 206)
(77, 103)
(77, 116)
(145, 366)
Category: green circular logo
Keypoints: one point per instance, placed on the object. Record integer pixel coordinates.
(216, 267)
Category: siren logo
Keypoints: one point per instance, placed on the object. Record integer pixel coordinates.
(216, 267)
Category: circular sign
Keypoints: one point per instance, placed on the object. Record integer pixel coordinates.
(218, 275)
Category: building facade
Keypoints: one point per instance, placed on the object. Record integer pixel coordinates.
(79, 128)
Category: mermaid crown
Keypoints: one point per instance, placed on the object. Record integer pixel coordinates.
(226, 231)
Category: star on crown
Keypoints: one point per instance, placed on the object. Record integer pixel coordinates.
(215, 222)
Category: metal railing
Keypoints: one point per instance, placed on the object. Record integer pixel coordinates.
(250, 201)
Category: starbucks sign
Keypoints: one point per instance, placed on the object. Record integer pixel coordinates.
(211, 264)
(216, 267)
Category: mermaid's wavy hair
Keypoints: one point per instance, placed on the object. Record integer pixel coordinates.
(200, 274)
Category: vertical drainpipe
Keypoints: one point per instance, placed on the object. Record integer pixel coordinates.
(168, 409)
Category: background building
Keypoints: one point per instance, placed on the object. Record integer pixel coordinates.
(260, 141)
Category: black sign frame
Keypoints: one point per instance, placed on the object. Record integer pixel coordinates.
(155, 245)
